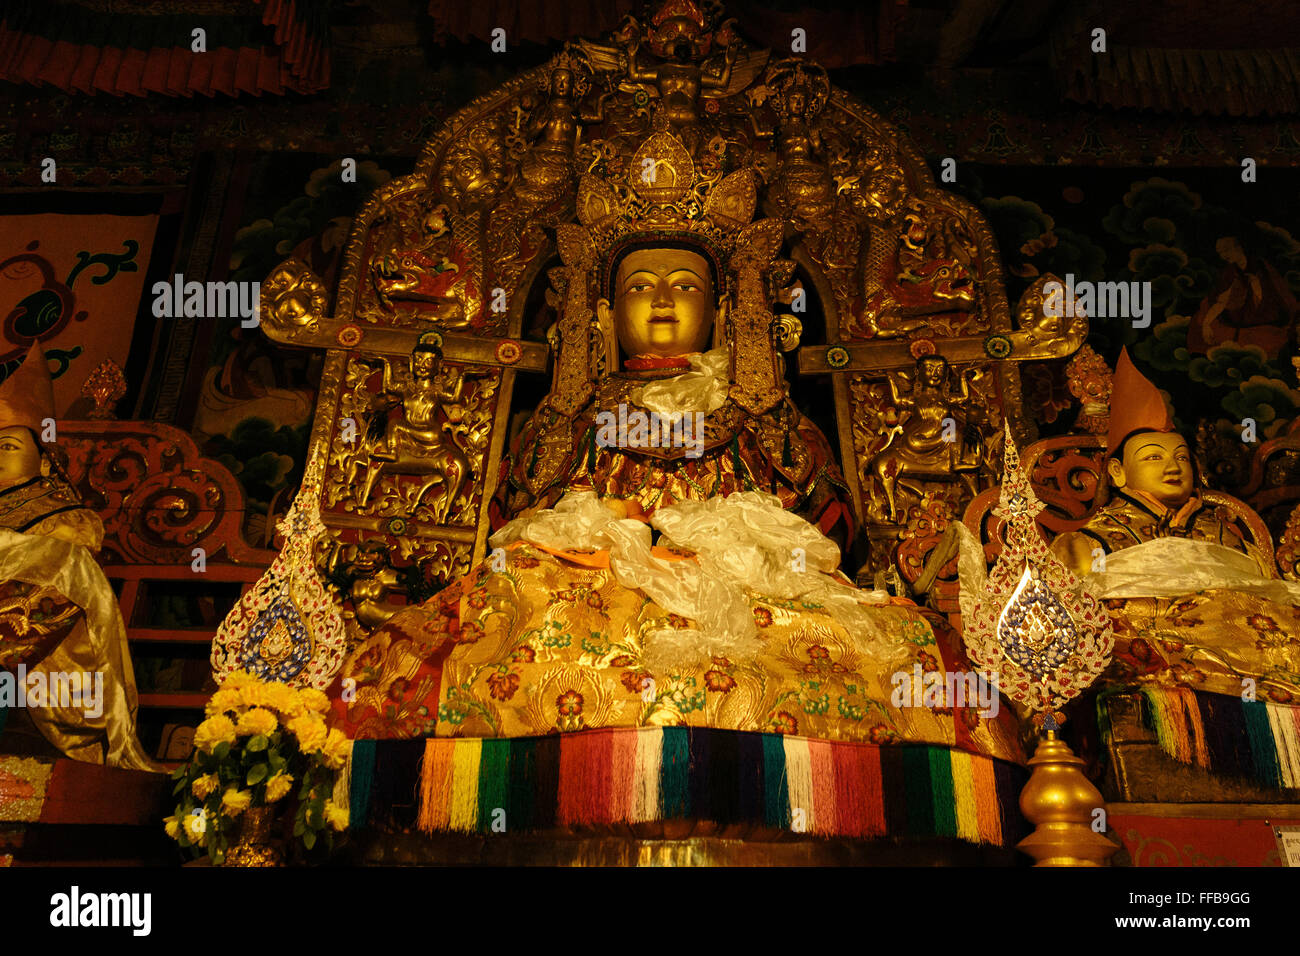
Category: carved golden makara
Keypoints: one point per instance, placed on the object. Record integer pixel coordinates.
(497, 242)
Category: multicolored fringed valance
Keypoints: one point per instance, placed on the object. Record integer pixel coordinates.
(1221, 734)
(628, 776)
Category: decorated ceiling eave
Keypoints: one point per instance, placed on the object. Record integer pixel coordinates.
(1190, 56)
(90, 46)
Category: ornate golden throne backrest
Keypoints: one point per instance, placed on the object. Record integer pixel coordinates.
(871, 251)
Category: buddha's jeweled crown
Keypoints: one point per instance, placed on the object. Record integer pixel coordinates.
(662, 196)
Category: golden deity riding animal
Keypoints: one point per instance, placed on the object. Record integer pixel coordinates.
(416, 443)
(937, 436)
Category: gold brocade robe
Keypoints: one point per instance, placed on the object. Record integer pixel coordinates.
(1133, 519)
(1191, 633)
(556, 644)
(46, 539)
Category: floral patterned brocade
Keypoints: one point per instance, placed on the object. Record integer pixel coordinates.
(550, 645)
(1209, 641)
(34, 620)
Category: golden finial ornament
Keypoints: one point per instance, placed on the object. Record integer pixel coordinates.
(1046, 639)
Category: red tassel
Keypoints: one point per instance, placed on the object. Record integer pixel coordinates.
(822, 762)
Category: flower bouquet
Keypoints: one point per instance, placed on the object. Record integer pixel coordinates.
(260, 739)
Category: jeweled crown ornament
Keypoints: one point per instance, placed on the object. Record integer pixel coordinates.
(662, 197)
(289, 626)
(1033, 624)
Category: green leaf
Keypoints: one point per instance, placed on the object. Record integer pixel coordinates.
(180, 785)
(256, 775)
(258, 744)
(299, 828)
(222, 751)
(309, 839)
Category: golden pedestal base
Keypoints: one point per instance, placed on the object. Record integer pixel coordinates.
(1061, 803)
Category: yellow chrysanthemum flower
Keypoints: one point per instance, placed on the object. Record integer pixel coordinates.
(234, 802)
(213, 731)
(239, 680)
(310, 731)
(314, 700)
(173, 827)
(223, 701)
(196, 826)
(337, 748)
(258, 695)
(205, 786)
(336, 816)
(257, 721)
(278, 787)
(283, 699)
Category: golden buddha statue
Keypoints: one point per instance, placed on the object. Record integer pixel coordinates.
(63, 638)
(1195, 601)
(669, 414)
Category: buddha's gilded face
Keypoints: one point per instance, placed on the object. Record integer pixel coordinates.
(663, 302)
(20, 458)
(1158, 463)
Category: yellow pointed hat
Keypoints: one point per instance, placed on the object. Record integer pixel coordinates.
(1135, 405)
(27, 395)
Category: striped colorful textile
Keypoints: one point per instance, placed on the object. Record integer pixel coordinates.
(1221, 734)
(619, 776)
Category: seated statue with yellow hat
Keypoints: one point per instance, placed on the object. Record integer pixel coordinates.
(669, 415)
(1195, 598)
(63, 653)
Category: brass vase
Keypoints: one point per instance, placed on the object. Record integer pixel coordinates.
(256, 844)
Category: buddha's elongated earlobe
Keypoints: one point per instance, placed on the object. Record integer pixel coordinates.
(45, 467)
(720, 324)
(1116, 471)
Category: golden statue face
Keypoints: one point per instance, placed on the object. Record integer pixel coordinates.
(663, 302)
(20, 458)
(423, 363)
(1158, 463)
(934, 371)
